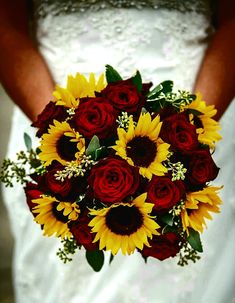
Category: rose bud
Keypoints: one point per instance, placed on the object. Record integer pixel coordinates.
(179, 133)
(95, 116)
(124, 96)
(164, 193)
(163, 246)
(32, 192)
(201, 168)
(46, 117)
(113, 179)
(82, 233)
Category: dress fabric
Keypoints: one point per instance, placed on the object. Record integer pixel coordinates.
(164, 41)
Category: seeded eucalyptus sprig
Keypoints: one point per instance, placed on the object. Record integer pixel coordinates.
(187, 254)
(69, 249)
(26, 163)
(11, 170)
(16, 170)
(163, 95)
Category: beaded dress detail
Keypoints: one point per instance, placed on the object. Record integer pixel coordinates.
(43, 7)
(164, 40)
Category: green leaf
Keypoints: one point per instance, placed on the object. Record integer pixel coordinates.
(27, 142)
(168, 219)
(160, 90)
(169, 229)
(194, 240)
(112, 75)
(93, 146)
(137, 81)
(167, 86)
(101, 152)
(155, 92)
(156, 105)
(111, 258)
(95, 258)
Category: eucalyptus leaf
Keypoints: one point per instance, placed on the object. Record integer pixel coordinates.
(157, 105)
(27, 141)
(93, 146)
(194, 240)
(192, 97)
(144, 110)
(178, 101)
(154, 92)
(100, 152)
(95, 258)
(137, 81)
(167, 86)
(112, 75)
(168, 219)
(169, 229)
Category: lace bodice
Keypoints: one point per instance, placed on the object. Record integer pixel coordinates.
(154, 36)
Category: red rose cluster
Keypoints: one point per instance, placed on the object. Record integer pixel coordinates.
(102, 151)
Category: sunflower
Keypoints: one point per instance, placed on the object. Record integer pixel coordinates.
(198, 207)
(62, 143)
(140, 146)
(54, 216)
(208, 132)
(124, 226)
(78, 87)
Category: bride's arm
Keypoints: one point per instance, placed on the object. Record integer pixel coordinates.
(216, 77)
(23, 72)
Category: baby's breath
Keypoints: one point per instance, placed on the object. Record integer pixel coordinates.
(75, 169)
(177, 170)
(176, 210)
(71, 111)
(179, 99)
(123, 120)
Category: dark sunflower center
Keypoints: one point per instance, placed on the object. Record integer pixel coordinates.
(142, 151)
(66, 149)
(124, 220)
(58, 213)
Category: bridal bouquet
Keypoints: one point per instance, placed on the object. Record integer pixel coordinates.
(122, 167)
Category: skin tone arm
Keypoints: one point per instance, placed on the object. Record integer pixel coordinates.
(26, 77)
(23, 72)
(216, 77)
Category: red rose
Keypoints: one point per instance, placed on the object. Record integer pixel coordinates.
(82, 233)
(32, 192)
(123, 95)
(67, 190)
(55, 186)
(163, 246)
(164, 193)
(113, 179)
(179, 133)
(50, 112)
(95, 116)
(200, 167)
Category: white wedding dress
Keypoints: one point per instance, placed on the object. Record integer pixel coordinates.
(164, 40)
